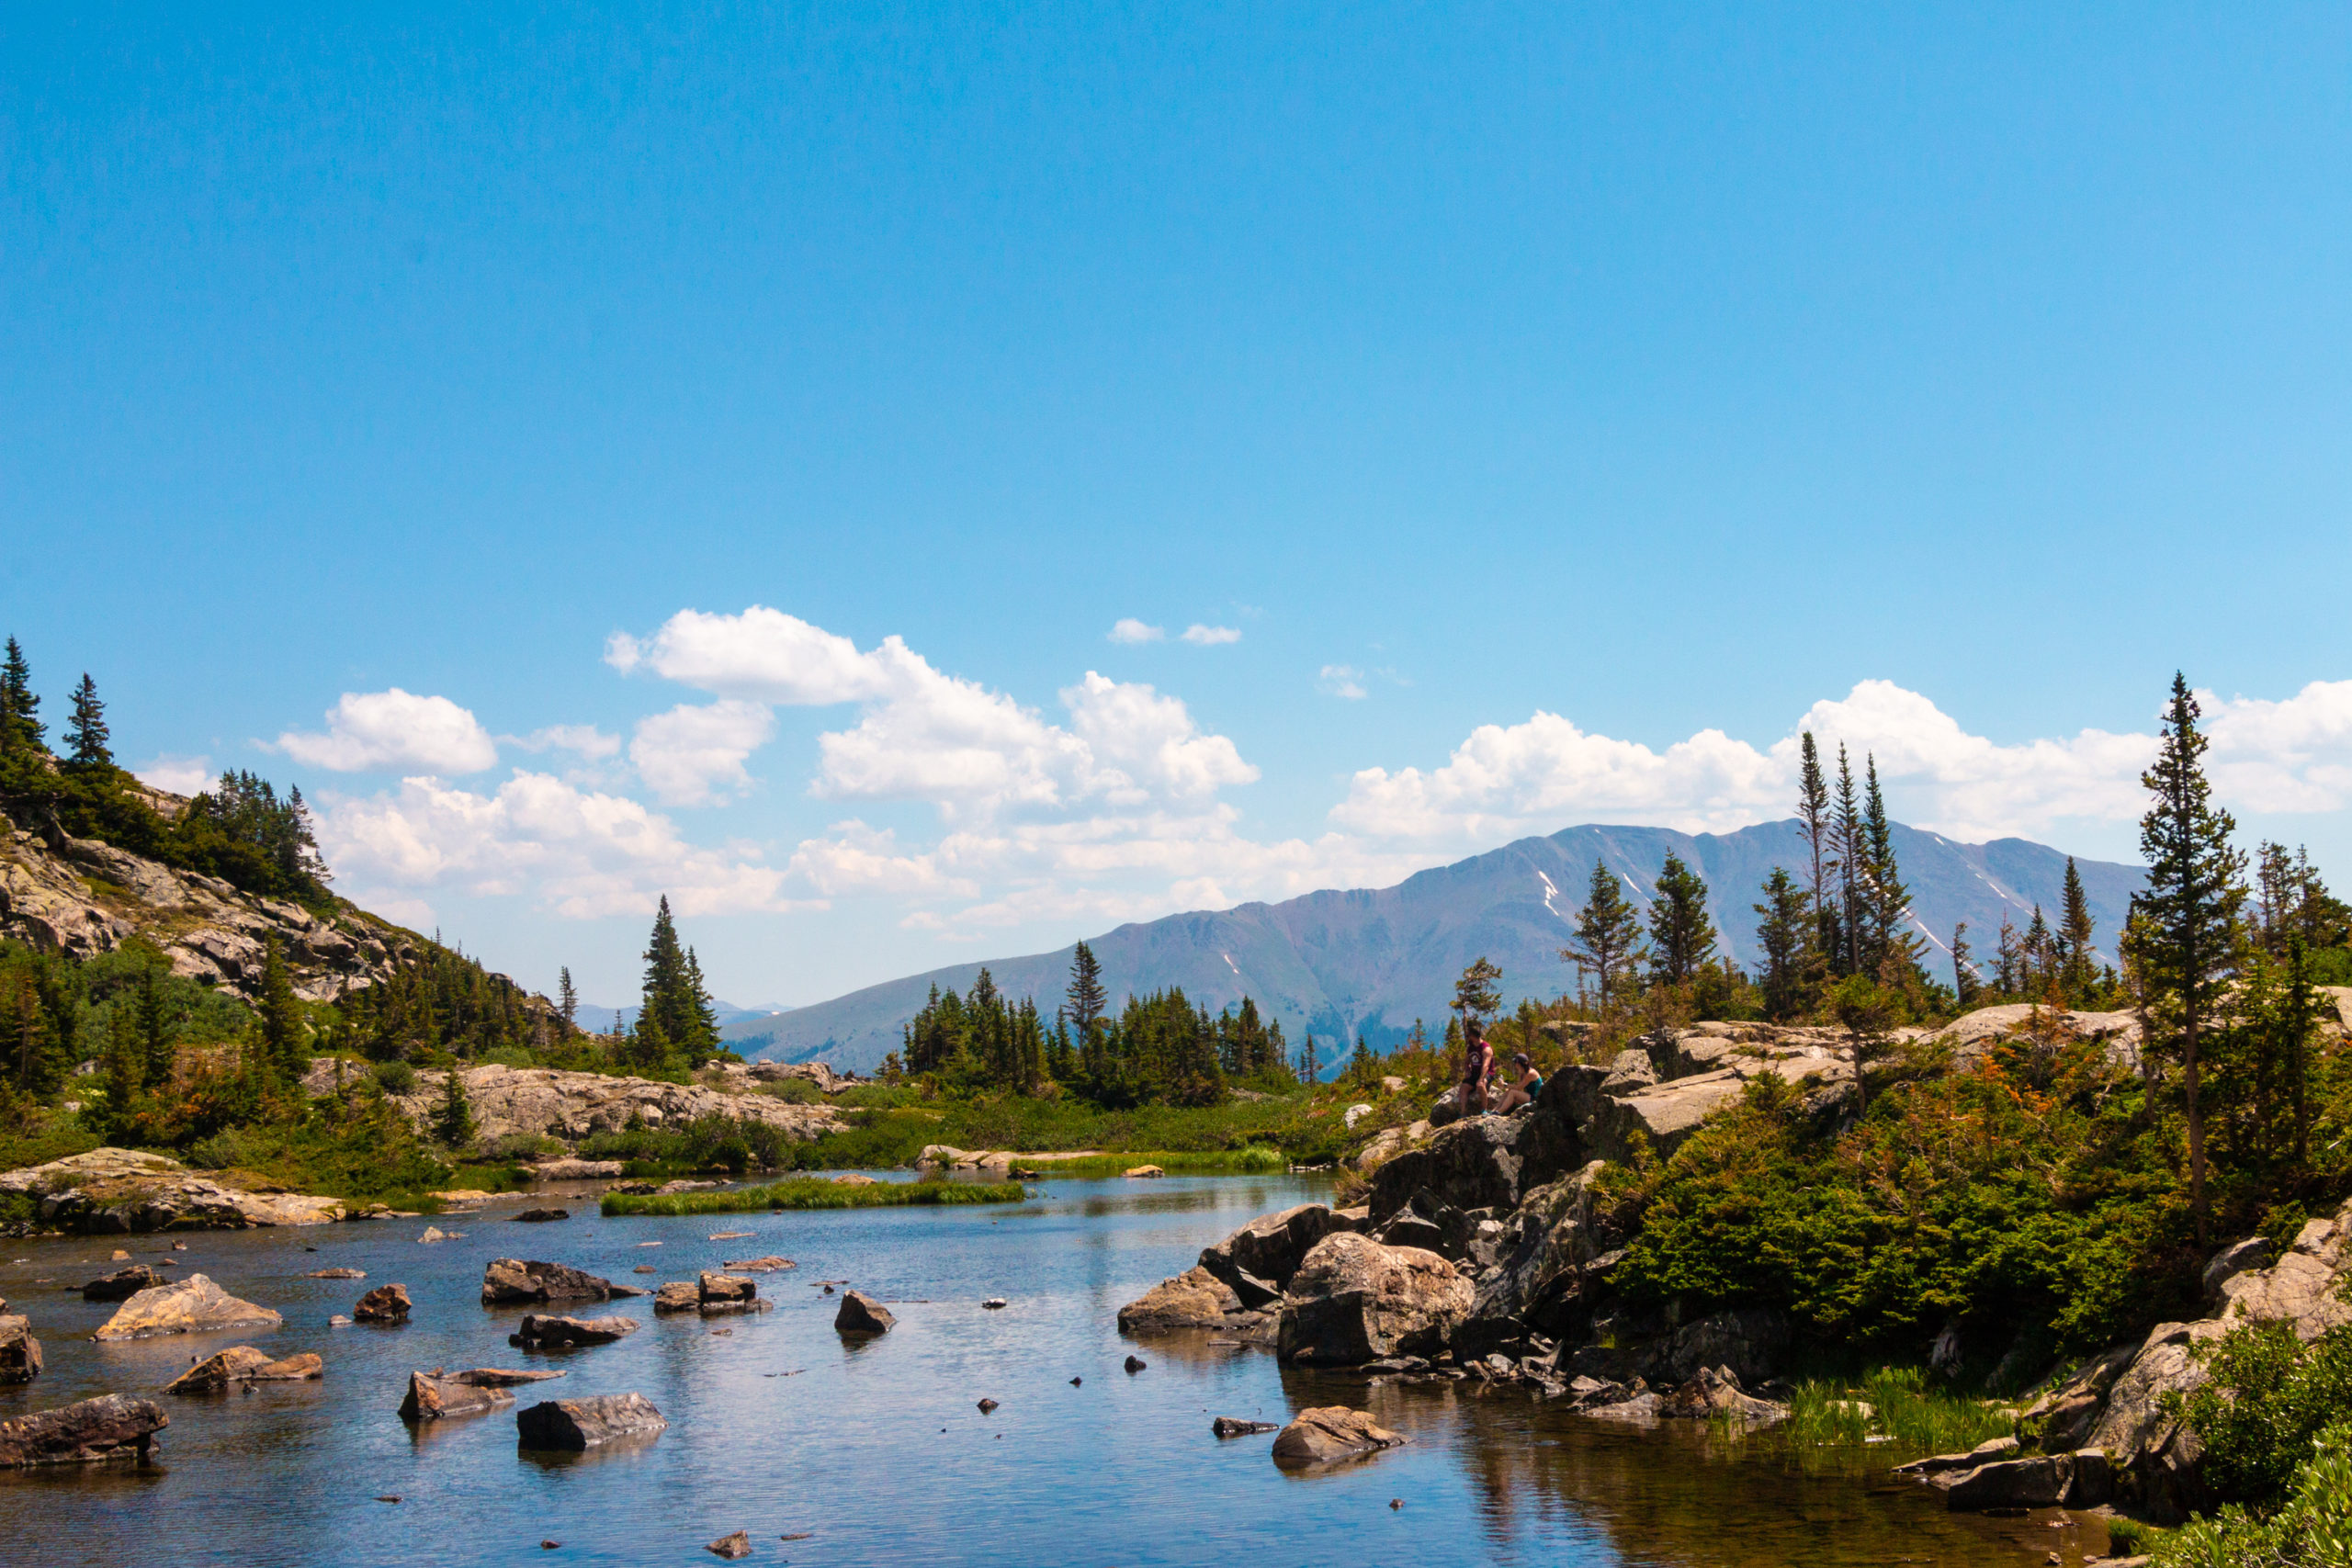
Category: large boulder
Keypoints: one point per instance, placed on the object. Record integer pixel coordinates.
(862, 1314)
(539, 1332)
(678, 1296)
(581, 1423)
(194, 1305)
(385, 1303)
(511, 1281)
(242, 1364)
(2304, 1287)
(717, 1289)
(1332, 1432)
(1194, 1298)
(19, 1351)
(1354, 1300)
(1258, 1259)
(437, 1395)
(113, 1425)
(1481, 1162)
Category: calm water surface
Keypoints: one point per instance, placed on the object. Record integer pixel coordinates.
(877, 1450)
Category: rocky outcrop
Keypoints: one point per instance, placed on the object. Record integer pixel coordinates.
(516, 1282)
(544, 1103)
(113, 1425)
(540, 1332)
(1332, 1433)
(437, 1395)
(1354, 1300)
(20, 1359)
(1194, 1298)
(576, 1424)
(862, 1314)
(194, 1305)
(244, 1364)
(1257, 1260)
(385, 1303)
(579, 1169)
(80, 897)
(111, 1192)
(711, 1294)
(1715, 1391)
(1483, 1162)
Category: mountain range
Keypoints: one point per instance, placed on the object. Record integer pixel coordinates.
(1374, 960)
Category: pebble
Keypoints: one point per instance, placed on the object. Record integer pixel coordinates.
(1396, 1502)
(1135, 1364)
(1075, 1382)
(987, 1405)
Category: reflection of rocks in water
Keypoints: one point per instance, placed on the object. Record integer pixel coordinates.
(1672, 1493)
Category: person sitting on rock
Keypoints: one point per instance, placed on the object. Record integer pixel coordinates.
(1523, 1089)
(1477, 1064)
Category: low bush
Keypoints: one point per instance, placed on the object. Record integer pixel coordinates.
(2312, 1527)
(2268, 1397)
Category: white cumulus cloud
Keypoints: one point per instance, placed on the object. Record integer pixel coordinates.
(1129, 629)
(1200, 636)
(582, 740)
(761, 654)
(577, 852)
(383, 731)
(176, 775)
(694, 756)
(1343, 680)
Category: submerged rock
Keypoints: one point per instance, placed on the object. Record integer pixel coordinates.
(1235, 1426)
(113, 1425)
(860, 1313)
(514, 1281)
(122, 1285)
(385, 1303)
(1332, 1432)
(731, 1546)
(581, 1423)
(336, 1274)
(538, 1216)
(437, 1395)
(244, 1364)
(560, 1332)
(194, 1305)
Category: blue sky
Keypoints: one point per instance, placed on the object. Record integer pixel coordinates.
(1560, 404)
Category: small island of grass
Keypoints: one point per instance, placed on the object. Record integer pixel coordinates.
(813, 1192)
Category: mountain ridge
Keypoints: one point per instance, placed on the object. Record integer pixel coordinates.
(1338, 961)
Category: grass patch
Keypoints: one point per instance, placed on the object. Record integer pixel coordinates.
(1255, 1160)
(890, 1128)
(807, 1193)
(1896, 1403)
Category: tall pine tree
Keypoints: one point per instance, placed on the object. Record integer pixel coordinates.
(86, 731)
(1815, 823)
(1784, 933)
(1851, 839)
(1608, 937)
(1681, 936)
(20, 724)
(2189, 908)
(2074, 929)
(1084, 1001)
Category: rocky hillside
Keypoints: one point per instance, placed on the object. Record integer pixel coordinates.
(80, 897)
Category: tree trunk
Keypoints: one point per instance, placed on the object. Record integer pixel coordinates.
(2196, 1125)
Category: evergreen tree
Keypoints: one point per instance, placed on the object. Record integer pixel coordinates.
(2190, 905)
(1814, 821)
(1086, 999)
(1363, 1065)
(1851, 839)
(2298, 1010)
(675, 1000)
(1473, 994)
(453, 1117)
(124, 1066)
(20, 723)
(1965, 983)
(2078, 975)
(280, 1014)
(567, 1000)
(1867, 1011)
(647, 1048)
(86, 731)
(2040, 957)
(1609, 936)
(1785, 934)
(1893, 950)
(1682, 939)
(2008, 962)
(155, 1031)
(1310, 1070)
(702, 1039)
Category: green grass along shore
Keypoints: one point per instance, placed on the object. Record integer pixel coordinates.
(814, 1192)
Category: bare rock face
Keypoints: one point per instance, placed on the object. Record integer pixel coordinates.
(1481, 1162)
(546, 1102)
(121, 1285)
(513, 1282)
(244, 1364)
(194, 1305)
(1194, 1298)
(860, 1313)
(1354, 1300)
(1332, 1432)
(1258, 1260)
(19, 1351)
(579, 1169)
(581, 1423)
(385, 1303)
(564, 1333)
(111, 1192)
(113, 1425)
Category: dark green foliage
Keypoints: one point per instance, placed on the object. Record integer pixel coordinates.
(1890, 950)
(2312, 1527)
(2188, 938)
(87, 732)
(284, 1038)
(1965, 983)
(2269, 1395)
(1159, 1050)
(437, 1000)
(807, 1194)
(707, 1142)
(1609, 939)
(1813, 820)
(1683, 938)
(1085, 1001)
(567, 1000)
(1475, 997)
(1784, 933)
(20, 725)
(1850, 842)
(2076, 976)
(676, 1019)
(453, 1116)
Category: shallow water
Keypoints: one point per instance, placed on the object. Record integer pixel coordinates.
(876, 1450)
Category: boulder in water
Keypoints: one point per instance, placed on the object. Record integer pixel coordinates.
(513, 1282)
(1354, 1300)
(194, 1305)
(564, 1333)
(122, 1285)
(113, 1425)
(1332, 1432)
(19, 1351)
(385, 1303)
(860, 1313)
(244, 1364)
(580, 1423)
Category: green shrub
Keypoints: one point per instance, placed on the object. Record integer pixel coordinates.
(2312, 1528)
(2268, 1397)
(396, 1077)
(807, 1194)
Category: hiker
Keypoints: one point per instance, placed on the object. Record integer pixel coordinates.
(1477, 1063)
(1524, 1089)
